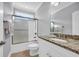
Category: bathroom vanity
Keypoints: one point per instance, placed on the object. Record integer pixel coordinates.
(53, 47)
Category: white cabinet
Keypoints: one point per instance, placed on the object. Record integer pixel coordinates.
(75, 23)
(47, 49)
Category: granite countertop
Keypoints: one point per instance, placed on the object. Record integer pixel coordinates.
(70, 44)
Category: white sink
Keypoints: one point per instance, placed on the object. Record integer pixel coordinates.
(59, 40)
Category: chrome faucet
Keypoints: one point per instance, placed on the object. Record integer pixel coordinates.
(59, 35)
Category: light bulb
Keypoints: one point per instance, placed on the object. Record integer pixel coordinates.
(55, 3)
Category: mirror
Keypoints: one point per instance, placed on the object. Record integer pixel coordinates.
(62, 17)
(56, 28)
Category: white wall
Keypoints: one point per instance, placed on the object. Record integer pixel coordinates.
(75, 23)
(5, 14)
(8, 11)
(1, 28)
(43, 17)
(32, 25)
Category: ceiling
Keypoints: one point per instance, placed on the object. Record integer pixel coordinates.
(61, 5)
(27, 6)
(33, 6)
(66, 13)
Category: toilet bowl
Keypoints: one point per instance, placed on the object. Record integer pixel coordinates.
(33, 48)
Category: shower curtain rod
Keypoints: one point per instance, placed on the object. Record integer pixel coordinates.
(25, 17)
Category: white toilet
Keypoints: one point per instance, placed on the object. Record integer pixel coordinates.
(33, 47)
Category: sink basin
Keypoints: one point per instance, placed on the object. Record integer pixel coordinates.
(58, 40)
